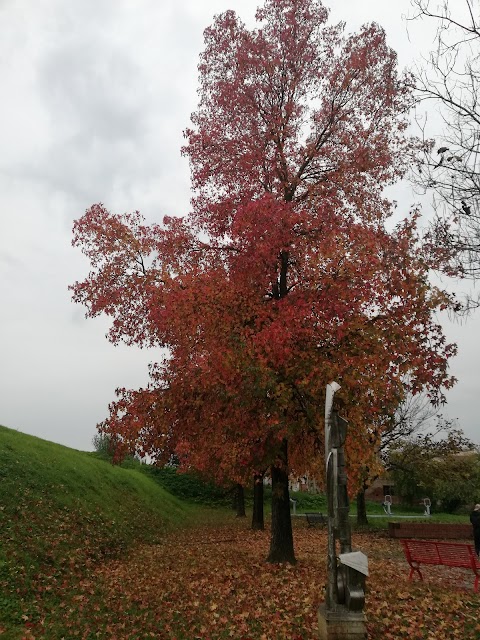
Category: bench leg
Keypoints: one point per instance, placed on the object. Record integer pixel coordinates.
(412, 570)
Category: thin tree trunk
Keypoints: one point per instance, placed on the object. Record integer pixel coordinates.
(362, 519)
(281, 541)
(257, 517)
(240, 502)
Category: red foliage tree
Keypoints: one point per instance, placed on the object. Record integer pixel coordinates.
(284, 277)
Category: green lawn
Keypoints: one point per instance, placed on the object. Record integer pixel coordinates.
(64, 511)
(66, 516)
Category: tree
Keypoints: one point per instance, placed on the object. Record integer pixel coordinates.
(455, 479)
(105, 446)
(426, 464)
(258, 522)
(414, 415)
(284, 277)
(450, 168)
(239, 500)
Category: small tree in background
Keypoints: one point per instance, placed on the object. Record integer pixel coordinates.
(414, 415)
(427, 465)
(455, 480)
(104, 445)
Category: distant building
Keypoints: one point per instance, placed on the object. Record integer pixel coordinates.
(381, 487)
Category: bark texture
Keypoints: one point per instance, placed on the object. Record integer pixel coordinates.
(281, 541)
(258, 517)
(361, 509)
(240, 502)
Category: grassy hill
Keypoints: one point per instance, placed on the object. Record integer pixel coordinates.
(62, 511)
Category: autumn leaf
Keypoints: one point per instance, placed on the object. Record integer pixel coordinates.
(181, 589)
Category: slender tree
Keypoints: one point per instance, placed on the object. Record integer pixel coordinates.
(240, 501)
(258, 522)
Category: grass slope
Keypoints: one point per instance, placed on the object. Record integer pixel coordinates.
(62, 512)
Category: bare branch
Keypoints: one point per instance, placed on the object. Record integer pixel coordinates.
(450, 168)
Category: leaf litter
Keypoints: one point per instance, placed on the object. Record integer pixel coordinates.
(212, 583)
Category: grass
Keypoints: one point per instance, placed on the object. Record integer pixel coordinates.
(191, 487)
(317, 502)
(76, 536)
(61, 513)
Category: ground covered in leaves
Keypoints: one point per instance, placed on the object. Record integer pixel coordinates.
(211, 582)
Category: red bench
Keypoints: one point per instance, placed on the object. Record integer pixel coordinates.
(450, 554)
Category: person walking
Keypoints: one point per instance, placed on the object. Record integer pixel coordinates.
(475, 520)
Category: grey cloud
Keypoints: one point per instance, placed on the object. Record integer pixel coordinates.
(95, 91)
(10, 261)
(95, 95)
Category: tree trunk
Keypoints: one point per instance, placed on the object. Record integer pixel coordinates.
(257, 518)
(281, 541)
(361, 509)
(240, 502)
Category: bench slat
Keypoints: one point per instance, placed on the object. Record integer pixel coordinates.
(450, 554)
(422, 551)
(455, 555)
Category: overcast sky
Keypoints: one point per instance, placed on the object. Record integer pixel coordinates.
(95, 96)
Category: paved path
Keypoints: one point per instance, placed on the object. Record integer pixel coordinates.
(371, 515)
